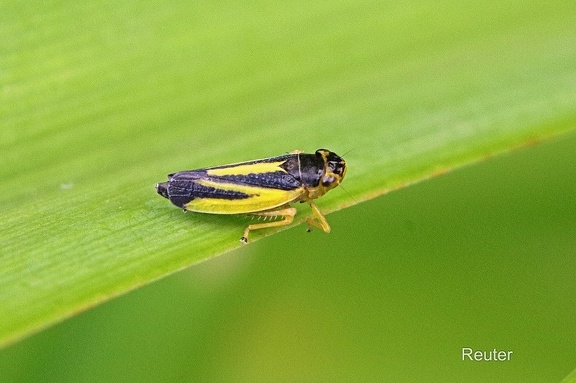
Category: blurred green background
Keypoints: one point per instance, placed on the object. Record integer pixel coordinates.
(101, 99)
(482, 257)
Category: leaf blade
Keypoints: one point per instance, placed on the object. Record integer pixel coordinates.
(103, 106)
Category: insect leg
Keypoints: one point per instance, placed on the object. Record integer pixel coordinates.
(318, 220)
(288, 213)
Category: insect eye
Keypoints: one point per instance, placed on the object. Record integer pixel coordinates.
(336, 167)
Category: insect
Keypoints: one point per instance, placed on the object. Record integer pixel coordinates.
(263, 188)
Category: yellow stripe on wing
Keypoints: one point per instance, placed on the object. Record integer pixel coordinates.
(241, 169)
(259, 199)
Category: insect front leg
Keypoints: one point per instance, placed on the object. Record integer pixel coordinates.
(318, 220)
(288, 213)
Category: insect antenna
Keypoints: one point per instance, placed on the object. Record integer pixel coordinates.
(347, 152)
(349, 195)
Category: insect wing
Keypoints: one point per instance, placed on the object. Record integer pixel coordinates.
(234, 189)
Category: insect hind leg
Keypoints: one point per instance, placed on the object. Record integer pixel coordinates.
(288, 213)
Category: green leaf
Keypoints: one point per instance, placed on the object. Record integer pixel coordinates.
(571, 378)
(99, 101)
